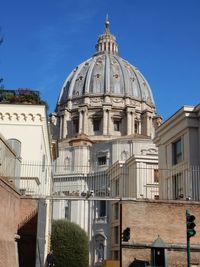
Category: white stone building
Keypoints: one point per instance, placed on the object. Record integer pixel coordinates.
(105, 113)
(178, 141)
(25, 126)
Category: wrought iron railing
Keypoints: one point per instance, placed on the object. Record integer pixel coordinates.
(138, 182)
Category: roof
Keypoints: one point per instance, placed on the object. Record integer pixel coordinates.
(158, 243)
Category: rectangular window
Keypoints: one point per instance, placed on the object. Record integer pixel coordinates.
(177, 183)
(117, 124)
(96, 125)
(176, 152)
(102, 208)
(67, 211)
(102, 160)
(116, 211)
(117, 187)
(116, 235)
(76, 126)
(156, 176)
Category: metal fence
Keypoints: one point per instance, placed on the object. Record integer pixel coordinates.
(180, 182)
(116, 181)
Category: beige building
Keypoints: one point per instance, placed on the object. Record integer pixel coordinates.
(137, 177)
(25, 126)
(178, 141)
(20, 216)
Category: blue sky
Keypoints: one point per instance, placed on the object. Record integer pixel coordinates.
(45, 39)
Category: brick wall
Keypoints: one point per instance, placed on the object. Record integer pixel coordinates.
(9, 217)
(148, 219)
(27, 231)
(13, 212)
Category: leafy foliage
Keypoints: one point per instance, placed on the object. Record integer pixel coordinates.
(21, 96)
(70, 244)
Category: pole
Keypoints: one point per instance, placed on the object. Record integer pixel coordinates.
(120, 242)
(188, 252)
(188, 241)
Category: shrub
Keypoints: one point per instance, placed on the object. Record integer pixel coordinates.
(70, 244)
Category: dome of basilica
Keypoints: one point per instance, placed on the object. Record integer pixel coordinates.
(105, 97)
(106, 73)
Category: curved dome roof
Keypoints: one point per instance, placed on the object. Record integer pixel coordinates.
(106, 73)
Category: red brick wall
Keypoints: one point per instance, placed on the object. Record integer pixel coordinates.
(148, 219)
(13, 211)
(9, 218)
(27, 231)
(28, 206)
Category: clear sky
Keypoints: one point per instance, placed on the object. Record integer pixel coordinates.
(44, 40)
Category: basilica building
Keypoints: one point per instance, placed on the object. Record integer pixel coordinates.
(105, 114)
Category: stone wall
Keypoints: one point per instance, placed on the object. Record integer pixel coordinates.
(150, 219)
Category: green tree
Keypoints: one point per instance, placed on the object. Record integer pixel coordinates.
(70, 244)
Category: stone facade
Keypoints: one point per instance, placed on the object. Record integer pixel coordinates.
(105, 113)
(26, 128)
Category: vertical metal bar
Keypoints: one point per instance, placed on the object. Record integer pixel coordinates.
(188, 242)
(120, 226)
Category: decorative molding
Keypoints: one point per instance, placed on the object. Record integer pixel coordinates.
(96, 100)
(134, 103)
(31, 117)
(118, 100)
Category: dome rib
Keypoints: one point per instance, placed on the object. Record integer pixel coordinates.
(123, 71)
(63, 90)
(89, 75)
(72, 87)
(107, 75)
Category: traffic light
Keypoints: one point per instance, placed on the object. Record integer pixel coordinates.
(126, 234)
(190, 224)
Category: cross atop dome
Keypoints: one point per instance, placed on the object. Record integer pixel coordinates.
(107, 23)
(107, 41)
